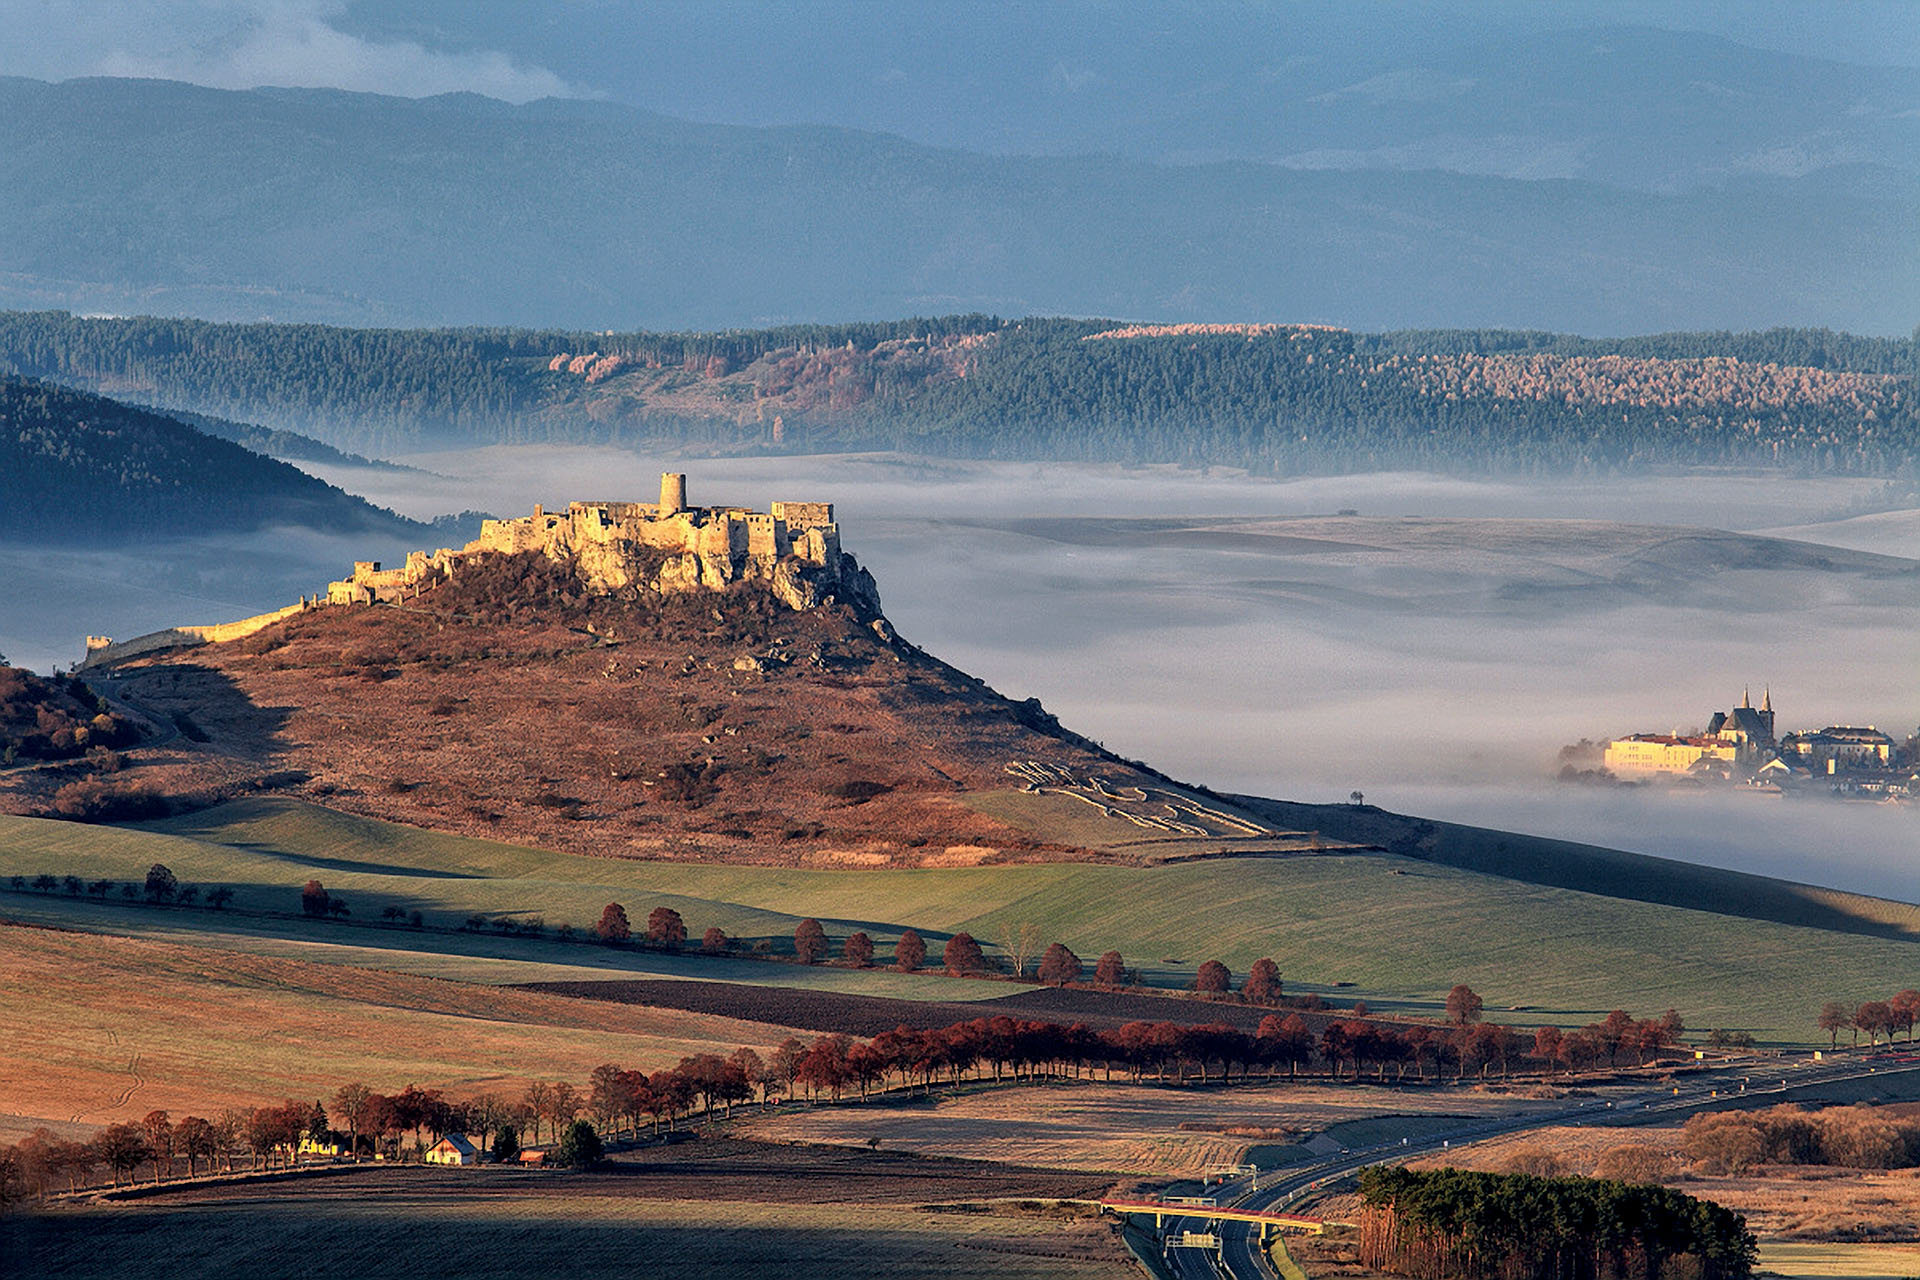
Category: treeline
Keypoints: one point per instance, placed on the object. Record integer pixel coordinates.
(1452, 1224)
(1274, 399)
(386, 388)
(1859, 1137)
(358, 1121)
(1875, 1017)
(1316, 399)
(76, 467)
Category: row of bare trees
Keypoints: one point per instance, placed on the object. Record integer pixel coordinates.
(1875, 1017)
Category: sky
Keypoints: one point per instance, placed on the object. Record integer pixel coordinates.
(993, 75)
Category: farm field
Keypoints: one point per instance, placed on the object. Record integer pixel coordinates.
(1134, 1129)
(103, 1029)
(1397, 931)
(718, 1209)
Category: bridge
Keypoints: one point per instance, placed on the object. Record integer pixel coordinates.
(1201, 1207)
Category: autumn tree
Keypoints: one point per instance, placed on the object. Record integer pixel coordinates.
(1906, 1011)
(910, 951)
(614, 928)
(1835, 1018)
(785, 1063)
(353, 1103)
(1110, 970)
(1263, 982)
(1060, 966)
(1463, 1005)
(810, 941)
(715, 941)
(1213, 978)
(857, 950)
(314, 899)
(1875, 1017)
(197, 1140)
(122, 1148)
(665, 928)
(963, 954)
(158, 1127)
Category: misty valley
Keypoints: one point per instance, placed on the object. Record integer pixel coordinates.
(1098, 640)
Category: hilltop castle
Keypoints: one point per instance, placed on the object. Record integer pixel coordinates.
(665, 546)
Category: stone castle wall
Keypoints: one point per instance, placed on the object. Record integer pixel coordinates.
(102, 650)
(614, 546)
(794, 548)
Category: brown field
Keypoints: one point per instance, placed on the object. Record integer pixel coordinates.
(102, 1028)
(711, 1209)
(1781, 1202)
(1132, 1129)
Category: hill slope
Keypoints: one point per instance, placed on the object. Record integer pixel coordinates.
(76, 467)
(127, 196)
(508, 702)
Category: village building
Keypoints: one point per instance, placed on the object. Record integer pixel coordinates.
(1838, 748)
(1667, 753)
(454, 1148)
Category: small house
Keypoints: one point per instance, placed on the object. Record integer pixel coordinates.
(453, 1149)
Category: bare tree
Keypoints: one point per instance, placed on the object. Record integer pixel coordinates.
(1020, 941)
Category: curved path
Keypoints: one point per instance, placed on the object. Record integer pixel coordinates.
(1241, 1257)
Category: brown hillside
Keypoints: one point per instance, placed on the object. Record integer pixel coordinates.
(508, 703)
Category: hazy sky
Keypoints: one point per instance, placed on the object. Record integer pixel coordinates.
(935, 72)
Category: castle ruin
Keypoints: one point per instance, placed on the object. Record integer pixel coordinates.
(665, 546)
(794, 548)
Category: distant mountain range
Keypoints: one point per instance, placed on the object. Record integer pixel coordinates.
(126, 196)
(79, 468)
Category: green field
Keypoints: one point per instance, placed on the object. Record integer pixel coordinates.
(1395, 931)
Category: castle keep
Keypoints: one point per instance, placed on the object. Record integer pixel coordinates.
(665, 546)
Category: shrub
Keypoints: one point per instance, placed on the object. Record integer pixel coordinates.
(93, 800)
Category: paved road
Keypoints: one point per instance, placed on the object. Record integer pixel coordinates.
(1242, 1258)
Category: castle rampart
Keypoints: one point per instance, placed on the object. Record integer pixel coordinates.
(614, 546)
(795, 548)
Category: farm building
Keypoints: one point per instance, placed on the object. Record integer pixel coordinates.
(453, 1149)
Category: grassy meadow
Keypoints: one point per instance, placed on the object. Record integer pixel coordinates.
(1398, 932)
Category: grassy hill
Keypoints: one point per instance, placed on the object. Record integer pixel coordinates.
(1395, 931)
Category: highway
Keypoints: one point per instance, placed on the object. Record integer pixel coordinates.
(1241, 1257)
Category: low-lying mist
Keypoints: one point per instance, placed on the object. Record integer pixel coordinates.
(1433, 649)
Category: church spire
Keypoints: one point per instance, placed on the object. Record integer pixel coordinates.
(1746, 696)
(1766, 698)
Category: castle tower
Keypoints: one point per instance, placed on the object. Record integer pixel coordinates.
(673, 493)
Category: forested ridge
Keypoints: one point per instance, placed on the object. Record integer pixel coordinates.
(1272, 398)
(76, 467)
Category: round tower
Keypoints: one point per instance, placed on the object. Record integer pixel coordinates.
(673, 493)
